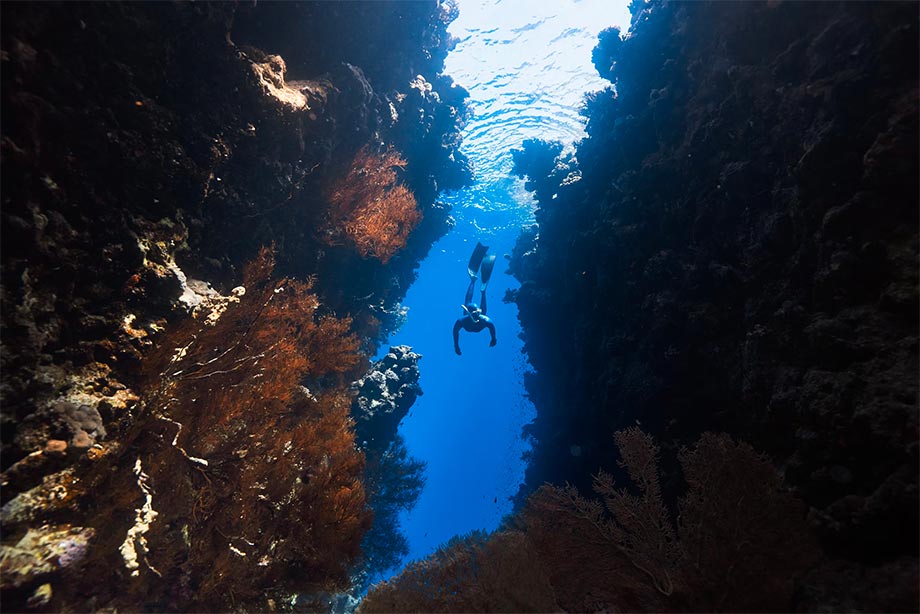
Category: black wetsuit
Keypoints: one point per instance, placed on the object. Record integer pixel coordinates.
(470, 325)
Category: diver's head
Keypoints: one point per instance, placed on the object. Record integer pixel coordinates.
(473, 310)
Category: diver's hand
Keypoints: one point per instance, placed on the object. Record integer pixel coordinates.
(457, 350)
(492, 343)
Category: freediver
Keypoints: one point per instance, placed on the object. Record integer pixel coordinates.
(474, 318)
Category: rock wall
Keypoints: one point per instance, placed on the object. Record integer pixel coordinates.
(734, 248)
(149, 151)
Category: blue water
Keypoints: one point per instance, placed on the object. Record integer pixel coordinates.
(526, 65)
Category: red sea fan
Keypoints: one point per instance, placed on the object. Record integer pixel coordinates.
(738, 542)
(370, 209)
(255, 479)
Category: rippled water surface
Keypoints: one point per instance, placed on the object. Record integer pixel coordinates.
(527, 65)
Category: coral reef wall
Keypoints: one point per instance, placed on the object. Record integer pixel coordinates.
(734, 247)
(149, 152)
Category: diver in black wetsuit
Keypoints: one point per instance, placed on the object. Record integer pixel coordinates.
(475, 319)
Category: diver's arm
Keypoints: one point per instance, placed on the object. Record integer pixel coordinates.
(491, 328)
(457, 337)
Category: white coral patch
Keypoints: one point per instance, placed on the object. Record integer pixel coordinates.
(136, 539)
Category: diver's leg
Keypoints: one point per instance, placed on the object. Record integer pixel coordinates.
(486, 271)
(469, 291)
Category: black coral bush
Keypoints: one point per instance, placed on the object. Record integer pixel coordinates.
(743, 540)
(284, 475)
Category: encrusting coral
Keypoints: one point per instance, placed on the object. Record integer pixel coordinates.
(384, 395)
(42, 551)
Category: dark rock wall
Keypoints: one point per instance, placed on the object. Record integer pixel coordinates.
(734, 248)
(149, 150)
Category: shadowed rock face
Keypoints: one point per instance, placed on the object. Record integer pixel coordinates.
(148, 152)
(735, 249)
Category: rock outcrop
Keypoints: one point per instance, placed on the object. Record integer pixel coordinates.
(734, 248)
(384, 396)
(393, 478)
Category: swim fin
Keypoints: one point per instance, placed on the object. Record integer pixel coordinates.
(487, 266)
(476, 259)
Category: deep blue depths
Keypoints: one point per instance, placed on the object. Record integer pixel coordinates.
(526, 65)
(467, 424)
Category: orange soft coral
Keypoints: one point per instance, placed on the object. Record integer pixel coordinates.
(370, 209)
(255, 477)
